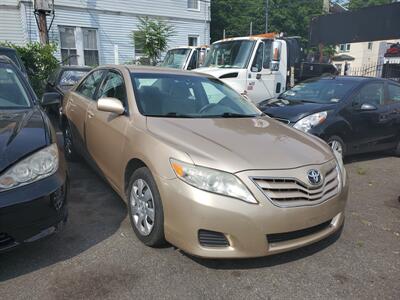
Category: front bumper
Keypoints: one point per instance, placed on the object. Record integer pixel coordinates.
(33, 211)
(246, 226)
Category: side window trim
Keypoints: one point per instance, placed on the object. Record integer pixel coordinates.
(93, 98)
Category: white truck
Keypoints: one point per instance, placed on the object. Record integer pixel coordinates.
(185, 58)
(261, 66)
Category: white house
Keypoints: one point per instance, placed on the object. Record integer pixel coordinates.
(93, 32)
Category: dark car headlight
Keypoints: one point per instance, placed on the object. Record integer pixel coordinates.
(38, 165)
(311, 121)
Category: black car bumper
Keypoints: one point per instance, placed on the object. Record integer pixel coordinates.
(33, 211)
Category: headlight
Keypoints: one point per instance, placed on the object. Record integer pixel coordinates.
(212, 181)
(311, 121)
(340, 168)
(39, 165)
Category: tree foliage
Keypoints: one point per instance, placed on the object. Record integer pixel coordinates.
(152, 37)
(288, 16)
(355, 4)
(39, 61)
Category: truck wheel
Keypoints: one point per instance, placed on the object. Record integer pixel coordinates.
(145, 208)
(336, 143)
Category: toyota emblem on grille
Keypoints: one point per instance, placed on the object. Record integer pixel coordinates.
(314, 176)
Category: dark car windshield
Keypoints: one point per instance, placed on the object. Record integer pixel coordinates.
(188, 96)
(12, 91)
(319, 91)
(71, 77)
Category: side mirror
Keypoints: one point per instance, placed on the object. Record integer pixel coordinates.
(50, 99)
(111, 105)
(368, 107)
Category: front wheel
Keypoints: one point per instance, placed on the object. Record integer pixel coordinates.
(145, 208)
(337, 144)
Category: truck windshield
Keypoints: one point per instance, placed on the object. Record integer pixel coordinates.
(230, 54)
(176, 58)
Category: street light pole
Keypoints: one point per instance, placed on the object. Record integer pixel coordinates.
(266, 16)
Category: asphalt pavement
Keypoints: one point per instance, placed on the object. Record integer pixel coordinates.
(97, 255)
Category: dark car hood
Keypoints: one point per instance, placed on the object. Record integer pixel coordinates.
(292, 110)
(21, 132)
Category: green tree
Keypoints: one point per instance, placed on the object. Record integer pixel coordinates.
(39, 61)
(152, 37)
(355, 4)
(288, 16)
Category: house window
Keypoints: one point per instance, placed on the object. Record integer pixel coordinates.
(90, 51)
(68, 46)
(193, 41)
(344, 47)
(370, 46)
(138, 46)
(193, 4)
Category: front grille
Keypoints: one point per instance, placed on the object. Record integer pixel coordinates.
(287, 236)
(6, 241)
(209, 238)
(292, 191)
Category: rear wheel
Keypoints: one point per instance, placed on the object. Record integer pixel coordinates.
(337, 144)
(69, 149)
(145, 208)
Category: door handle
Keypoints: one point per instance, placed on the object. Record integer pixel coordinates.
(258, 76)
(90, 114)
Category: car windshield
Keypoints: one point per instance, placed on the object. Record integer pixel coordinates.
(13, 94)
(319, 91)
(176, 58)
(230, 54)
(188, 96)
(71, 77)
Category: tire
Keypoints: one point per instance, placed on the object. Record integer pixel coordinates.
(145, 208)
(336, 143)
(69, 148)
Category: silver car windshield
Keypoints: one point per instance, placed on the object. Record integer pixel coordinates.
(188, 96)
(13, 94)
(230, 54)
(176, 58)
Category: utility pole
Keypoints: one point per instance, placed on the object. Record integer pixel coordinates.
(325, 10)
(266, 16)
(251, 28)
(42, 26)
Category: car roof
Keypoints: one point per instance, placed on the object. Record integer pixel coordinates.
(75, 68)
(5, 59)
(134, 69)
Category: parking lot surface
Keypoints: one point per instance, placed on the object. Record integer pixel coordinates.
(97, 255)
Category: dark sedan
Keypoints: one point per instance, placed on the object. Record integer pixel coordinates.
(353, 114)
(33, 174)
(61, 81)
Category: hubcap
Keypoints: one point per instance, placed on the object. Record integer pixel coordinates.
(142, 207)
(336, 145)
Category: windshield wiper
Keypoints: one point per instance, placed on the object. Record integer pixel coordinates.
(171, 115)
(235, 115)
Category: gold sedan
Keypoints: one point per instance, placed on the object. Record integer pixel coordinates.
(200, 166)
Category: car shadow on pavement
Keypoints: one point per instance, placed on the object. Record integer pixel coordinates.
(268, 261)
(95, 214)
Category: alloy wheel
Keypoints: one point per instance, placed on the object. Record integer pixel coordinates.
(142, 207)
(336, 145)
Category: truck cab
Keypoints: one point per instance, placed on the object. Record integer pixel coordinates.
(261, 66)
(185, 58)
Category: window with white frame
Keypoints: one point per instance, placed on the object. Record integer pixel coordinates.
(138, 46)
(344, 47)
(193, 4)
(69, 54)
(79, 46)
(90, 51)
(193, 40)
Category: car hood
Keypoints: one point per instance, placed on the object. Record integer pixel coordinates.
(292, 110)
(239, 144)
(217, 72)
(21, 132)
